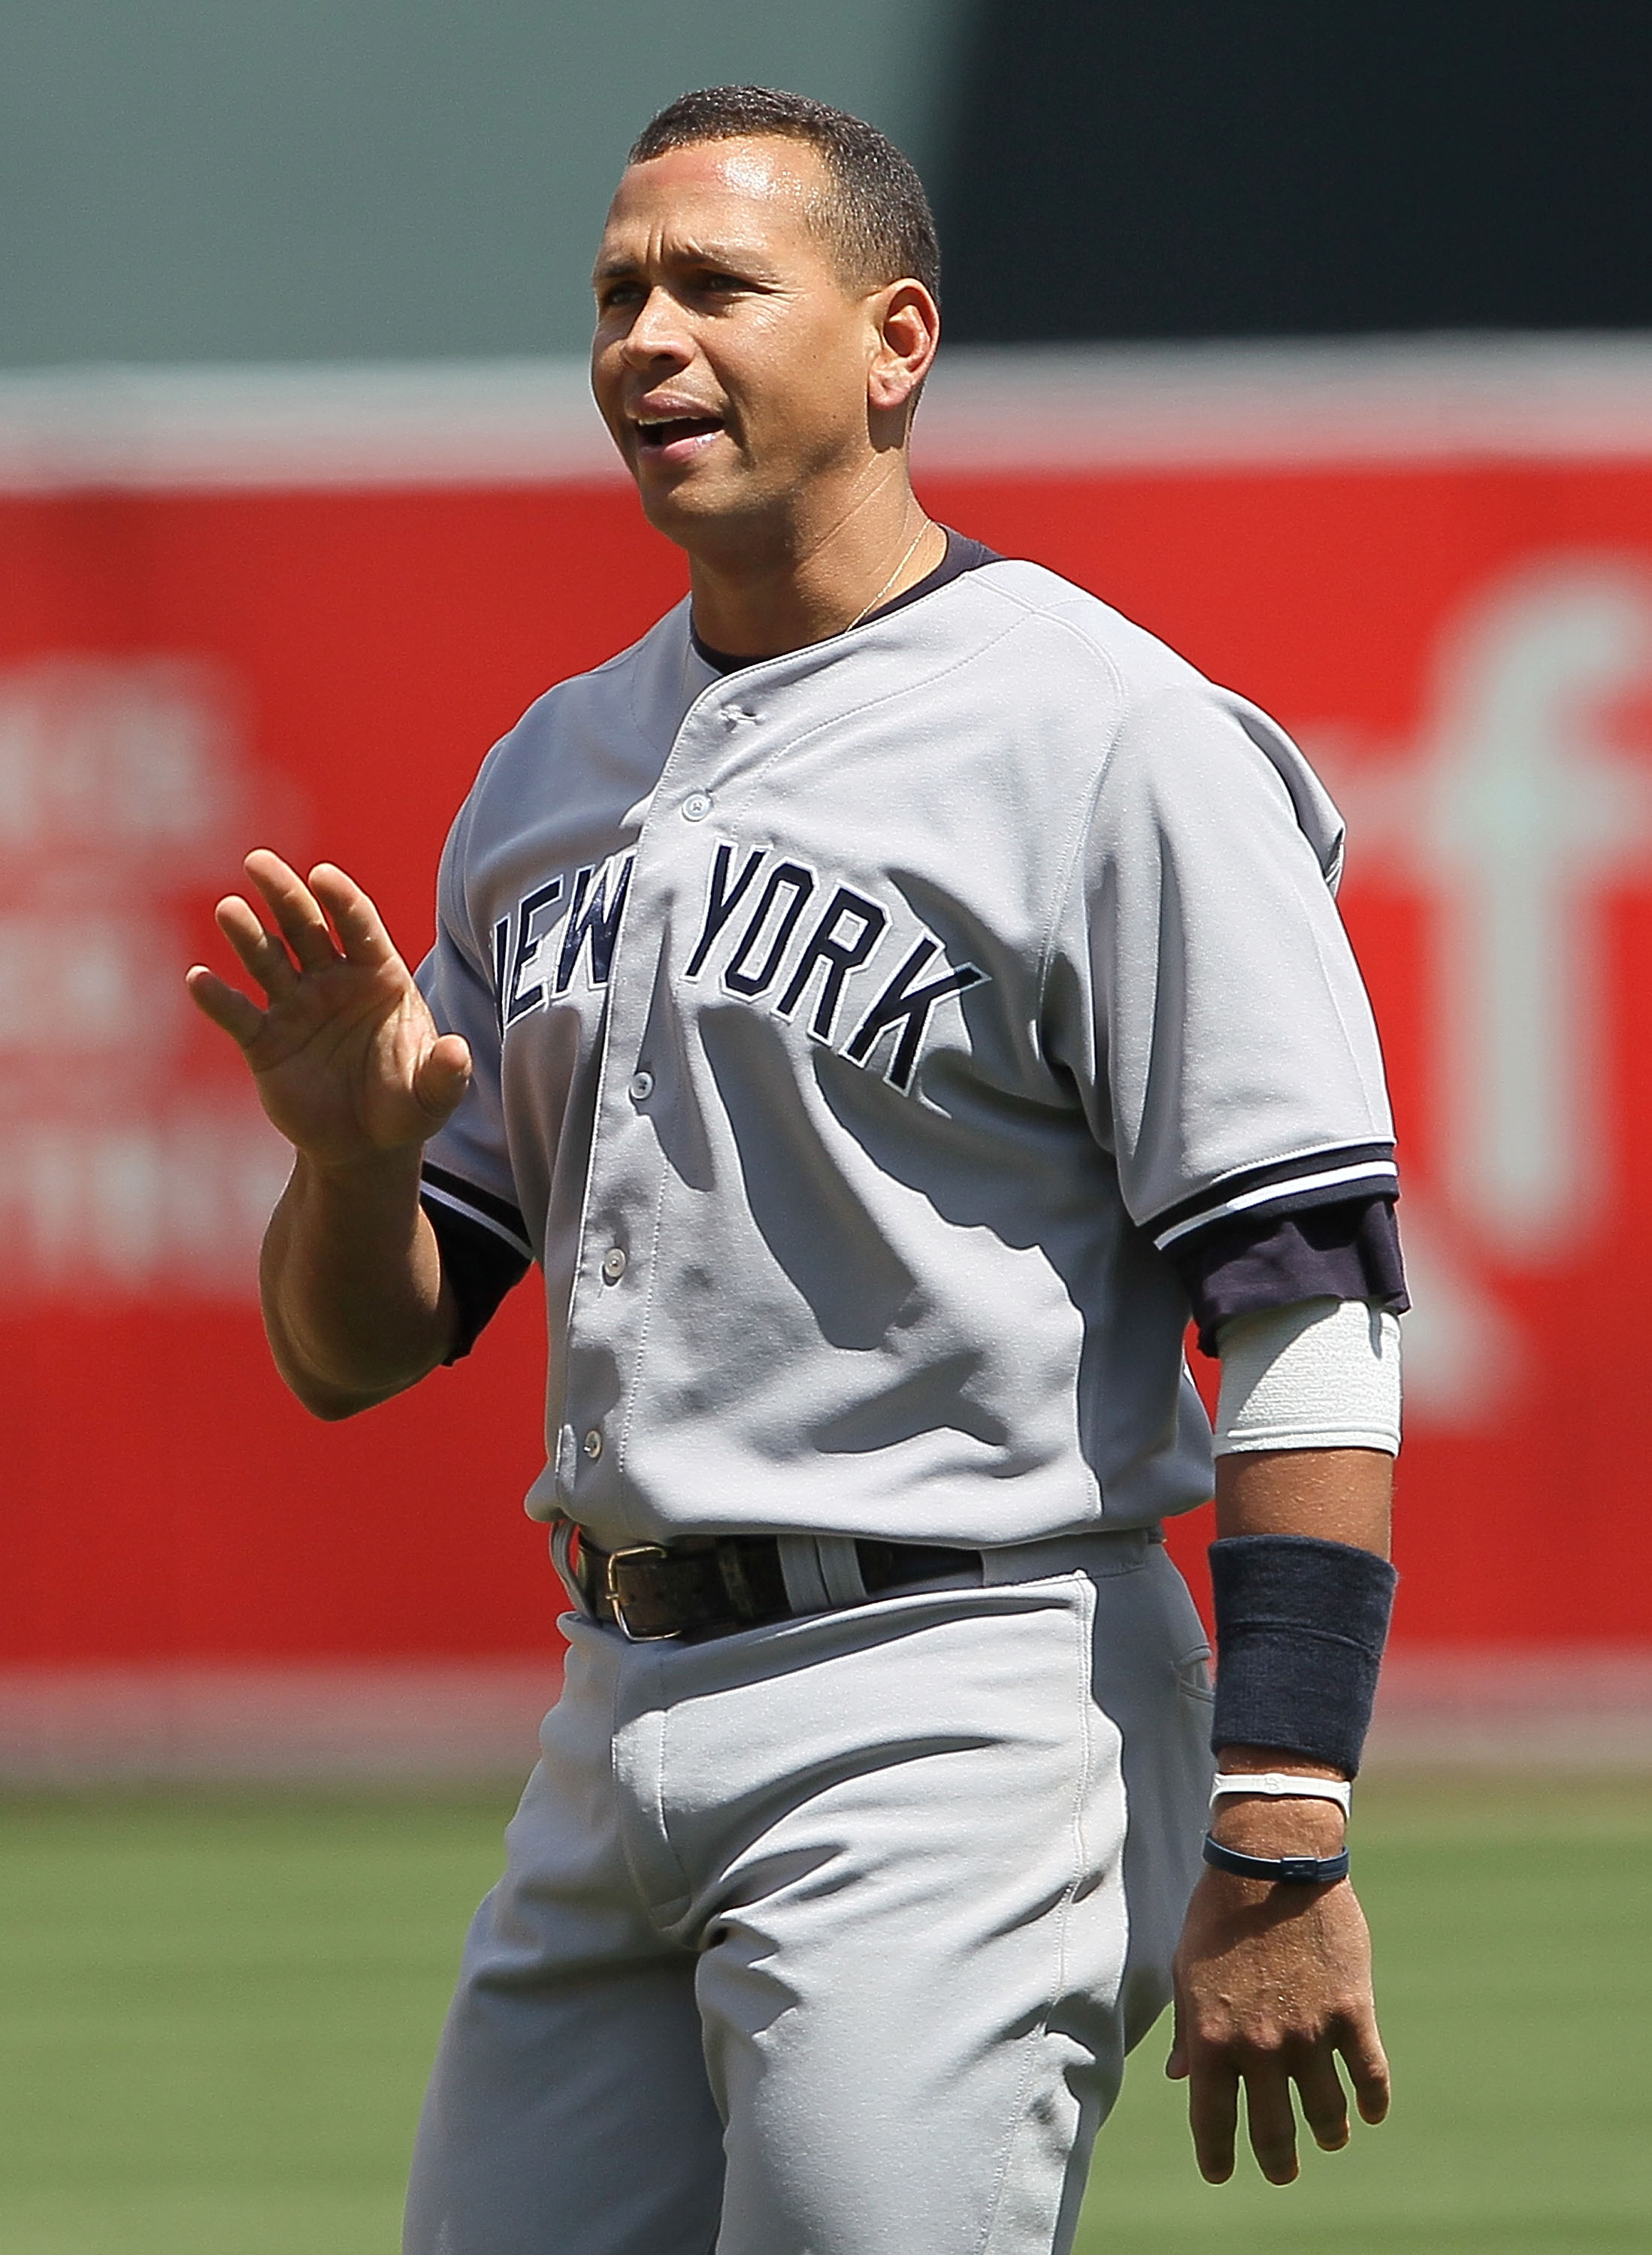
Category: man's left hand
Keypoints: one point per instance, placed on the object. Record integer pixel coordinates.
(1272, 1982)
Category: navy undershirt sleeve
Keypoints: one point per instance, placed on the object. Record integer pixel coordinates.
(480, 1269)
(1347, 1251)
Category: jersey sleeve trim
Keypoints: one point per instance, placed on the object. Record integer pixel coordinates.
(495, 1214)
(1325, 1177)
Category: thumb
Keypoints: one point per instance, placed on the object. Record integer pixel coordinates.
(443, 1076)
(1175, 2065)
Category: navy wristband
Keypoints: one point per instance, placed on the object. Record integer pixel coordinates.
(1282, 1870)
(1300, 1627)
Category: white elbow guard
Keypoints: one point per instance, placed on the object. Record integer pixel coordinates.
(1321, 1375)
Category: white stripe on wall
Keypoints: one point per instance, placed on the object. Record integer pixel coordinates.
(1576, 1709)
(992, 409)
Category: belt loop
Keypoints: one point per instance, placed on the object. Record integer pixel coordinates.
(800, 1570)
(1102, 1550)
(840, 1569)
(562, 1533)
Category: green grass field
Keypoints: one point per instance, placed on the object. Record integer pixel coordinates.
(215, 2019)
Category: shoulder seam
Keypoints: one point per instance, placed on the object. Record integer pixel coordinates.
(1081, 826)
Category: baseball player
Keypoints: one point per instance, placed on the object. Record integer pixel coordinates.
(886, 1003)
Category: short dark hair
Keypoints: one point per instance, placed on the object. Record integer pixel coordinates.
(879, 219)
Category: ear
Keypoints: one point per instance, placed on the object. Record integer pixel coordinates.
(906, 331)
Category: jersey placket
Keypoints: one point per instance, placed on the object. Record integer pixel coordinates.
(617, 1268)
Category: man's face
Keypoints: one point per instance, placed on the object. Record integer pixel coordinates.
(731, 356)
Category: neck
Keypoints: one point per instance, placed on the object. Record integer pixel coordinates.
(758, 598)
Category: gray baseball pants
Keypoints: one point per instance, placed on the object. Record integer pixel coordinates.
(829, 1937)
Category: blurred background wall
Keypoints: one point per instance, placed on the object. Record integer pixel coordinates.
(342, 179)
(1313, 338)
(325, 180)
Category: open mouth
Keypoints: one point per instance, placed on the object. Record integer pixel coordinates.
(672, 433)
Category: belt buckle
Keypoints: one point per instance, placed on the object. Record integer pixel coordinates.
(610, 1590)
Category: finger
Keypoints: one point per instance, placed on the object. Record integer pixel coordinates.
(443, 1076)
(1271, 2122)
(226, 1006)
(1367, 2068)
(1175, 2065)
(359, 925)
(262, 953)
(1212, 2116)
(1324, 2103)
(303, 924)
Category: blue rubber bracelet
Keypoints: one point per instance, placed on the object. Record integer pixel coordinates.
(1284, 1871)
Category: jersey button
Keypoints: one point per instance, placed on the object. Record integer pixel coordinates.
(593, 1444)
(696, 806)
(641, 1085)
(614, 1264)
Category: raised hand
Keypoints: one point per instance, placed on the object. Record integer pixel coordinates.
(347, 1059)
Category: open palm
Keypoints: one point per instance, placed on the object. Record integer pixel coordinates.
(347, 1059)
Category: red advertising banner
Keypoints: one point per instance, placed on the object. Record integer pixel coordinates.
(196, 660)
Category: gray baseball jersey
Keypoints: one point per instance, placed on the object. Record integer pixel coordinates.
(859, 1037)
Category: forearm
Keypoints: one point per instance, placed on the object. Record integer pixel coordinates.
(354, 1302)
(1336, 1495)
(1305, 1429)
(1273, 1972)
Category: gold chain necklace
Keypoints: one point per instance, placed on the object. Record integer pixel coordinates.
(889, 582)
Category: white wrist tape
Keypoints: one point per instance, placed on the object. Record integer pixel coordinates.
(1322, 1374)
(1280, 1785)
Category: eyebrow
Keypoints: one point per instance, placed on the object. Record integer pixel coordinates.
(746, 259)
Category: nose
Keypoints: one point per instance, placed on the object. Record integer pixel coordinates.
(657, 332)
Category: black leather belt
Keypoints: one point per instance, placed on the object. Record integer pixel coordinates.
(711, 1585)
